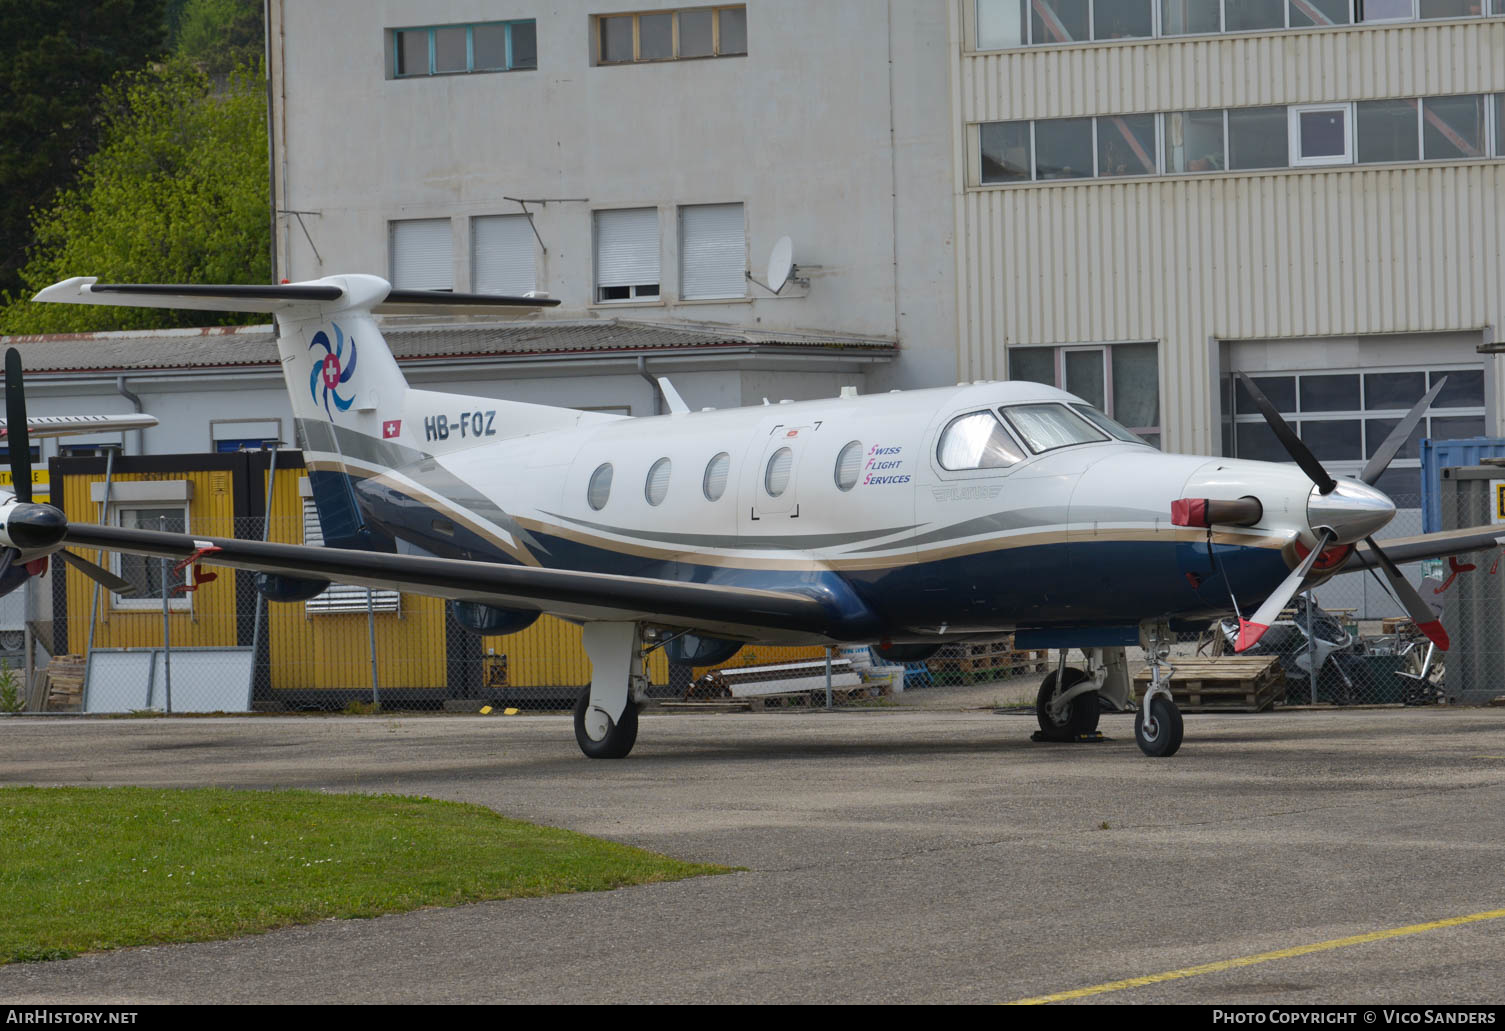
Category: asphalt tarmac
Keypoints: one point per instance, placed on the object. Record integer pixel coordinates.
(905, 856)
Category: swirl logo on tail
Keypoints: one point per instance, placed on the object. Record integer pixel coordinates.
(335, 369)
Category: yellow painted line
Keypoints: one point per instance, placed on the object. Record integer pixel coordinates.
(1263, 957)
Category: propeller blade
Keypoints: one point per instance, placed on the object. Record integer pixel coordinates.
(100, 575)
(1295, 447)
(6, 560)
(18, 437)
(1421, 613)
(1252, 629)
(1398, 436)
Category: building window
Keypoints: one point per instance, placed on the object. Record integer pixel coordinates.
(502, 256)
(1126, 145)
(671, 35)
(1321, 134)
(1452, 128)
(341, 597)
(1257, 138)
(627, 255)
(1388, 130)
(1008, 24)
(1242, 139)
(150, 574)
(712, 252)
(501, 46)
(422, 255)
(1006, 152)
(1063, 148)
(1121, 380)
(1194, 142)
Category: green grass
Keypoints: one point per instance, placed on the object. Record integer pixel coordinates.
(86, 869)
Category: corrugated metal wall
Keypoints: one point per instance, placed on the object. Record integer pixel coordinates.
(1186, 260)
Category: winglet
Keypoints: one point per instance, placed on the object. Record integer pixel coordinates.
(1435, 633)
(1249, 635)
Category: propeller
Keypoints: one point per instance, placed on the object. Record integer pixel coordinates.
(17, 436)
(1252, 629)
(99, 574)
(26, 526)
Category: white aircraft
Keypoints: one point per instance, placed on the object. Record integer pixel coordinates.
(906, 520)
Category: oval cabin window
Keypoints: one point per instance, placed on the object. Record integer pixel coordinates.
(776, 477)
(600, 487)
(849, 465)
(657, 487)
(716, 471)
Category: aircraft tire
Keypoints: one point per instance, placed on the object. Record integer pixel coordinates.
(620, 737)
(1166, 736)
(1082, 719)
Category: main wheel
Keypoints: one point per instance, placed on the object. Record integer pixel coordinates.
(1162, 735)
(618, 738)
(1080, 716)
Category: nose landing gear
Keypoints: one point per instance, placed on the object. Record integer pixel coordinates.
(1157, 723)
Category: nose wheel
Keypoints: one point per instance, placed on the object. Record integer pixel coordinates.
(1159, 734)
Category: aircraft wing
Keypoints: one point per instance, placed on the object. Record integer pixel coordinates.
(568, 593)
(1428, 545)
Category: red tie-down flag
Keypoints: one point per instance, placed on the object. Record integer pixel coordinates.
(391, 428)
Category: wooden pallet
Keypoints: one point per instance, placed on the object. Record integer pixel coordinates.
(1246, 683)
(62, 687)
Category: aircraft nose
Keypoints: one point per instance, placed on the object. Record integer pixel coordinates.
(1352, 511)
(35, 527)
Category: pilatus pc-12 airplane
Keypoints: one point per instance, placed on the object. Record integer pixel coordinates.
(905, 520)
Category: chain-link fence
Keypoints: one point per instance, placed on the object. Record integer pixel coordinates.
(207, 640)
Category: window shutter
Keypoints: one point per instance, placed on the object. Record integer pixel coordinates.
(502, 256)
(627, 247)
(712, 251)
(339, 597)
(422, 256)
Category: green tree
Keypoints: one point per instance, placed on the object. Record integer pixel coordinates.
(218, 35)
(55, 55)
(176, 193)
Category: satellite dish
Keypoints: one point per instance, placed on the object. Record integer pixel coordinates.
(780, 264)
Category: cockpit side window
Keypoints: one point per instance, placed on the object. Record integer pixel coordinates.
(1110, 426)
(1047, 426)
(977, 441)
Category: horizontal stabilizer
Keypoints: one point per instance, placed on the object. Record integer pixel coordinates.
(334, 293)
(74, 425)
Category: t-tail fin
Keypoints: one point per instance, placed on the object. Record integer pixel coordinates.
(348, 395)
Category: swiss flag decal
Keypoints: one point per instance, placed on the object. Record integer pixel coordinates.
(391, 428)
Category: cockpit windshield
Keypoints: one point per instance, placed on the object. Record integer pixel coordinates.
(1047, 426)
(1111, 426)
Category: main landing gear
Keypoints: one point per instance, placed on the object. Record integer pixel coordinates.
(1071, 699)
(606, 715)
